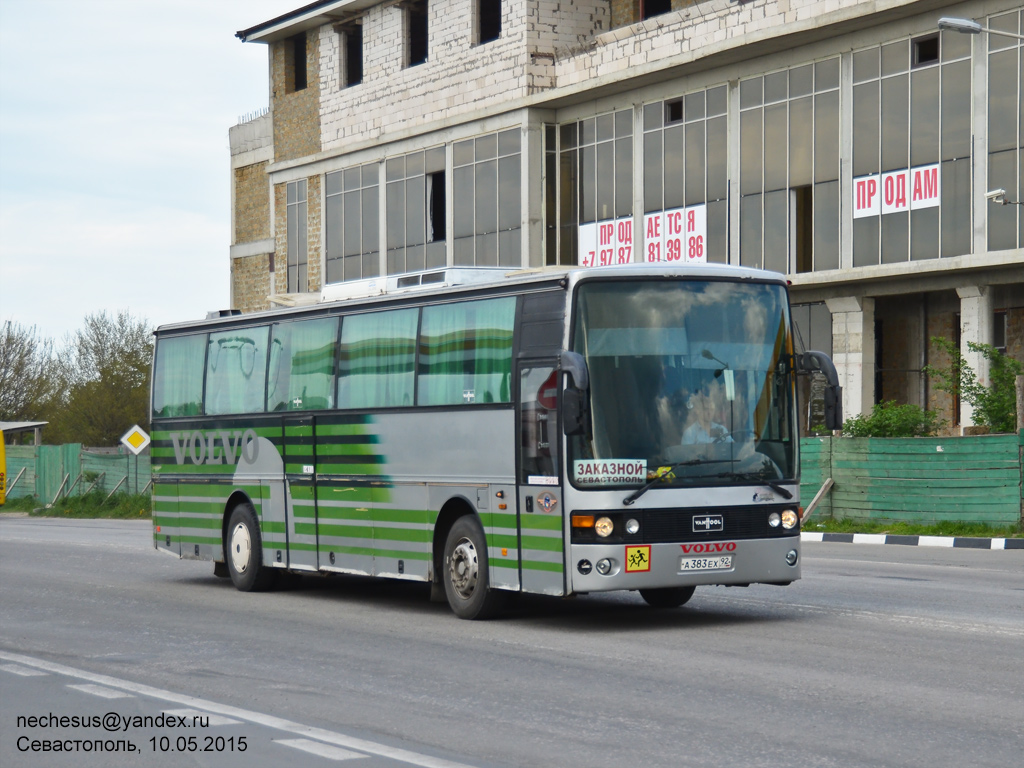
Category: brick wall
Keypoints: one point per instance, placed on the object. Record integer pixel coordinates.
(944, 325)
(295, 114)
(458, 78)
(281, 237)
(626, 12)
(252, 203)
(250, 278)
(1015, 333)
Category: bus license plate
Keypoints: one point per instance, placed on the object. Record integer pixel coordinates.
(705, 563)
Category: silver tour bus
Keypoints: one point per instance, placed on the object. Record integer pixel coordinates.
(556, 432)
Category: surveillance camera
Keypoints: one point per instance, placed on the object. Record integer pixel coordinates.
(995, 194)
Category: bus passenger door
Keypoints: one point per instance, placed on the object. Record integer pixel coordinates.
(300, 491)
(540, 509)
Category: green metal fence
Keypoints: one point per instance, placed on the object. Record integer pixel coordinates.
(51, 472)
(928, 480)
(920, 479)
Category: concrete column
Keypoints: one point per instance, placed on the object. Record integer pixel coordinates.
(853, 351)
(975, 326)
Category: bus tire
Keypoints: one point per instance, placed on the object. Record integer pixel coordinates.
(465, 572)
(244, 552)
(667, 597)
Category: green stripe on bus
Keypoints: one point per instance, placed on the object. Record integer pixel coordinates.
(501, 540)
(339, 491)
(199, 522)
(542, 544)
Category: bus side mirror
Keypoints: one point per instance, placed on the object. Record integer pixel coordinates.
(575, 408)
(818, 361)
(574, 411)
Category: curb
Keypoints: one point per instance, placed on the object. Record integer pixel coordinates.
(958, 542)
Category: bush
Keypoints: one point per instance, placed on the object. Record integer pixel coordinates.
(995, 406)
(892, 420)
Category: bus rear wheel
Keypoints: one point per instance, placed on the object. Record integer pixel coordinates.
(465, 572)
(245, 552)
(667, 597)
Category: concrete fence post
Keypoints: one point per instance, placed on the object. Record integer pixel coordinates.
(1020, 403)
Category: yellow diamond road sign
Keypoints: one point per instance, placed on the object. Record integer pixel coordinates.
(135, 439)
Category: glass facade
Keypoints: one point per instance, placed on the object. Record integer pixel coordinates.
(487, 207)
(685, 163)
(789, 168)
(352, 223)
(912, 150)
(752, 170)
(1006, 131)
(415, 211)
(297, 242)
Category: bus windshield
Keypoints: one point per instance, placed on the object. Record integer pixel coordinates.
(691, 382)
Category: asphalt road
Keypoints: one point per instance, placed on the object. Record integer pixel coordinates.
(880, 656)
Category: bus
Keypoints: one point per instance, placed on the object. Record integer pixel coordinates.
(555, 432)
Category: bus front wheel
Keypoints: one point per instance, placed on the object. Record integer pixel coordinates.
(245, 551)
(667, 597)
(466, 580)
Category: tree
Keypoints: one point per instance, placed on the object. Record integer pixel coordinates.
(104, 374)
(26, 375)
(994, 405)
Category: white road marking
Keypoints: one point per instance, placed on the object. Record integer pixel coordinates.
(268, 721)
(102, 691)
(211, 720)
(320, 749)
(16, 669)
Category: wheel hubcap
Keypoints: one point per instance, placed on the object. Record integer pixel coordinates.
(241, 547)
(464, 569)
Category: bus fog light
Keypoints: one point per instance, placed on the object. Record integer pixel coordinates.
(791, 558)
(604, 566)
(632, 526)
(789, 518)
(774, 519)
(584, 567)
(604, 527)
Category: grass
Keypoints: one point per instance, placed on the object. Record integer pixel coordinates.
(828, 525)
(121, 506)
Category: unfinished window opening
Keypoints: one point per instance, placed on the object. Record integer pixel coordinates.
(651, 8)
(352, 37)
(802, 212)
(417, 20)
(925, 51)
(488, 20)
(296, 71)
(999, 331)
(673, 111)
(436, 231)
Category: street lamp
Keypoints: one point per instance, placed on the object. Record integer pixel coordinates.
(968, 27)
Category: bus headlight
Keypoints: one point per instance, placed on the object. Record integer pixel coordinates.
(632, 526)
(774, 519)
(604, 527)
(789, 518)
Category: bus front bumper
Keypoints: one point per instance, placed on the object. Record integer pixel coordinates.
(606, 567)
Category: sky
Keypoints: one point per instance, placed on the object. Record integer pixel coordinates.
(114, 158)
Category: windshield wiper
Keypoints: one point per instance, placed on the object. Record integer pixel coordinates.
(775, 485)
(661, 475)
